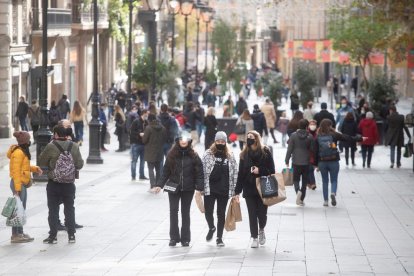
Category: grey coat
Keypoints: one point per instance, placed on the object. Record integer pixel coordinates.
(154, 138)
(299, 148)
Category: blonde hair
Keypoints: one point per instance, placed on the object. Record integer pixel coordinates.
(118, 109)
(259, 144)
(211, 111)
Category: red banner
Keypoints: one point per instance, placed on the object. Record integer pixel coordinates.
(377, 58)
(309, 49)
(410, 57)
(290, 49)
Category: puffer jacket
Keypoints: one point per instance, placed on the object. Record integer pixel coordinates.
(20, 168)
(208, 166)
(188, 173)
(299, 148)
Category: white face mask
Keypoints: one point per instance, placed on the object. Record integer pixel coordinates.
(312, 127)
(344, 105)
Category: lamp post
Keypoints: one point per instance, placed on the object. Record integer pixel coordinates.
(44, 135)
(186, 9)
(174, 9)
(94, 125)
(199, 9)
(129, 68)
(207, 15)
(154, 6)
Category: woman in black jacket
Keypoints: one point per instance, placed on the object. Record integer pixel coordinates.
(120, 127)
(210, 123)
(183, 166)
(255, 160)
(349, 127)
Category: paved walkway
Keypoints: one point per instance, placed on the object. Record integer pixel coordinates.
(370, 232)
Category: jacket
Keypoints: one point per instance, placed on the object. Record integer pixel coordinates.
(20, 168)
(324, 114)
(34, 114)
(188, 173)
(51, 153)
(259, 122)
(336, 137)
(154, 138)
(249, 126)
(299, 148)
(22, 110)
(349, 127)
(137, 127)
(368, 128)
(341, 113)
(395, 135)
(269, 112)
(170, 125)
(241, 105)
(208, 166)
(246, 181)
(210, 123)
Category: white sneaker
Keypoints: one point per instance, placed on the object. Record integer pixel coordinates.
(325, 203)
(255, 244)
(301, 203)
(298, 196)
(262, 237)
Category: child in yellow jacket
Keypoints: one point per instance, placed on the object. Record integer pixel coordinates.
(20, 174)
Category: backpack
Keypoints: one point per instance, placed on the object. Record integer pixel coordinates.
(65, 171)
(54, 116)
(327, 148)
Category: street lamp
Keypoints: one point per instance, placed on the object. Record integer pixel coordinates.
(199, 10)
(207, 15)
(174, 9)
(154, 6)
(186, 9)
(94, 125)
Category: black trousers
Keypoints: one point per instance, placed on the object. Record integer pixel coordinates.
(154, 177)
(366, 151)
(300, 171)
(352, 150)
(186, 198)
(257, 213)
(209, 202)
(103, 135)
(56, 193)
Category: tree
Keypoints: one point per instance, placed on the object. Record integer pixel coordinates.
(272, 84)
(118, 14)
(306, 80)
(380, 89)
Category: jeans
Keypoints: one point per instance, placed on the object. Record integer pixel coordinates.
(393, 155)
(257, 213)
(154, 177)
(23, 198)
(298, 172)
(364, 150)
(347, 150)
(199, 127)
(79, 130)
(329, 169)
(209, 202)
(186, 199)
(56, 193)
(23, 124)
(311, 175)
(137, 150)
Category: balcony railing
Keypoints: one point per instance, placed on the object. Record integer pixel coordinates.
(57, 19)
(83, 14)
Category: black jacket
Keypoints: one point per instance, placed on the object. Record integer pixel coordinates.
(188, 173)
(137, 127)
(170, 126)
(395, 130)
(211, 128)
(246, 181)
(349, 127)
(324, 114)
(299, 148)
(22, 110)
(241, 105)
(259, 122)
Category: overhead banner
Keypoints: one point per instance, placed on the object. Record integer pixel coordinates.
(298, 49)
(410, 57)
(323, 51)
(308, 50)
(377, 58)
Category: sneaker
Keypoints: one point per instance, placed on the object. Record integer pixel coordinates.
(298, 196)
(255, 244)
(143, 178)
(26, 236)
(61, 227)
(392, 166)
(220, 242)
(210, 234)
(172, 243)
(398, 166)
(314, 187)
(262, 237)
(133, 179)
(185, 244)
(333, 199)
(50, 240)
(72, 238)
(301, 203)
(325, 203)
(19, 238)
(78, 226)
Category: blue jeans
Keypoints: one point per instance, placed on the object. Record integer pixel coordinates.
(329, 169)
(199, 127)
(23, 124)
(23, 198)
(79, 130)
(393, 155)
(137, 151)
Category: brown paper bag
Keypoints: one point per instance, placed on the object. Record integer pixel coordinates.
(236, 210)
(281, 191)
(199, 201)
(287, 176)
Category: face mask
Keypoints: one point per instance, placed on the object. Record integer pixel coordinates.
(344, 105)
(220, 147)
(312, 127)
(250, 142)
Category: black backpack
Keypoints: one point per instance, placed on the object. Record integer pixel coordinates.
(327, 148)
(54, 116)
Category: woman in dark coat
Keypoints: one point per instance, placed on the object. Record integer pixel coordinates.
(210, 123)
(120, 127)
(183, 166)
(350, 128)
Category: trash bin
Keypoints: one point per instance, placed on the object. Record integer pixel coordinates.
(381, 131)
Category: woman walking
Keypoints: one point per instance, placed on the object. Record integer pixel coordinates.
(327, 156)
(120, 127)
(77, 117)
(220, 177)
(282, 126)
(350, 128)
(294, 123)
(20, 173)
(210, 123)
(183, 167)
(368, 128)
(247, 121)
(255, 161)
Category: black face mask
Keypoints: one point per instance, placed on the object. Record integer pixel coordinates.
(220, 147)
(250, 142)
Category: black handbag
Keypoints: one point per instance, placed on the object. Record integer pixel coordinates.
(240, 129)
(171, 187)
(268, 186)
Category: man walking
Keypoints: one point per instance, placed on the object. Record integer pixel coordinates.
(63, 107)
(171, 127)
(324, 114)
(21, 113)
(137, 146)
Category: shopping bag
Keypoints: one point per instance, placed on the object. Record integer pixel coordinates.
(18, 218)
(287, 176)
(281, 193)
(268, 186)
(233, 215)
(199, 202)
(236, 210)
(240, 129)
(9, 207)
(408, 150)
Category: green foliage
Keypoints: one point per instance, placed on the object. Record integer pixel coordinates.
(168, 81)
(118, 17)
(242, 43)
(211, 78)
(307, 81)
(272, 84)
(380, 89)
(143, 68)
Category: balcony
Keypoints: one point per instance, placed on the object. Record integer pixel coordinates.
(58, 22)
(82, 16)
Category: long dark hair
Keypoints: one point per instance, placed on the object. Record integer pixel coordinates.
(175, 153)
(294, 123)
(25, 150)
(325, 127)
